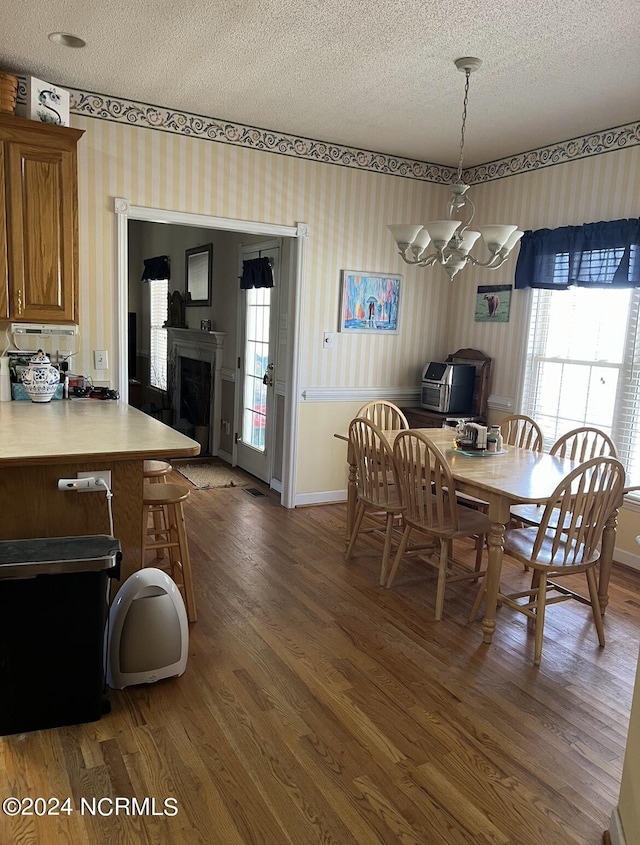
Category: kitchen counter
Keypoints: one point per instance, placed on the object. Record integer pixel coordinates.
(77, 429)
(42, 442)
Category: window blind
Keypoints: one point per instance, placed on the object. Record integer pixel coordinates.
(626, 430)
(583, 366)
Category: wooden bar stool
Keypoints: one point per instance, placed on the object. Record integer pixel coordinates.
(171, 536)
(156, 472)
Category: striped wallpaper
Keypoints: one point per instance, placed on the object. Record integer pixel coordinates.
(347, 209)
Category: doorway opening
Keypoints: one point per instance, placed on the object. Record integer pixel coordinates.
(294, 237)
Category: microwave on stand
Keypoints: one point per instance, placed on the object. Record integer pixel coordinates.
(448, 388)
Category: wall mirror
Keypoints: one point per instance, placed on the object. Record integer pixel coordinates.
(197, 275)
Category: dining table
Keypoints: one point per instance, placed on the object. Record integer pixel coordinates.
(511, 477)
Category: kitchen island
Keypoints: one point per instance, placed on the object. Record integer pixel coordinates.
(43, 442)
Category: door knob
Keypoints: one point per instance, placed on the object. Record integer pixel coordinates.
(267, 378)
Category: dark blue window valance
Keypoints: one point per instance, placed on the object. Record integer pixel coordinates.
(156, 269)
(256, 273)
(599, 255)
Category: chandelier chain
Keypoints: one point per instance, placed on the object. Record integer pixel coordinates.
(464, 121)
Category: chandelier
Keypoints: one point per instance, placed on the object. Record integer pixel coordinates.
(452, 239)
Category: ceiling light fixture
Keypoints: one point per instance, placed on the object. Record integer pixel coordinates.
(66, 40)
(452, 239)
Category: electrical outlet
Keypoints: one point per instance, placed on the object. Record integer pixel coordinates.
(63, 354)
(105, 474)
(100, 359)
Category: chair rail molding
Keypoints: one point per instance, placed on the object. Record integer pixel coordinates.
(500, 403)
(359, 394)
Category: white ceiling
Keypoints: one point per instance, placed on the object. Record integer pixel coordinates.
(367, 73)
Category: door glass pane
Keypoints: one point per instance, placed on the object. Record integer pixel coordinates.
(256, 360)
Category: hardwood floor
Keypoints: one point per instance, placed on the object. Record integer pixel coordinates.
(318, 707)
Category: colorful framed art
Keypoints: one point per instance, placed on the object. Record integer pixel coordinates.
(369, 302)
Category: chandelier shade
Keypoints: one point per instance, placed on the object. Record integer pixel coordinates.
(452, 240)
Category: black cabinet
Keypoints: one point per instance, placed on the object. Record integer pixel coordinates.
(421, 418)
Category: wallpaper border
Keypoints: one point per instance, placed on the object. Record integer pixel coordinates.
(119, 110)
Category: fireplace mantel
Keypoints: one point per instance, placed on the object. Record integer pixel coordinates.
(200, 346)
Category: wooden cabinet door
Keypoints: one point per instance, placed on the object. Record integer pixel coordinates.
(4, 267)
(41, 188)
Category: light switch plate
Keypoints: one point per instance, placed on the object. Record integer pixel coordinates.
(100, 359)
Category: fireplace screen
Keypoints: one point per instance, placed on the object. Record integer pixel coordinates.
(195, 391)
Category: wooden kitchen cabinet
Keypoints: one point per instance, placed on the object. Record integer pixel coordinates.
(39, 197)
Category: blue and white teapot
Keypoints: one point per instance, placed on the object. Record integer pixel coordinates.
(40, 379)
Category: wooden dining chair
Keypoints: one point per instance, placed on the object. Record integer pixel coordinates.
(517, 430)
(428, 497)
(377, 486)
(566, 542)
(522, 431)
(384, 414)
(579, 444)
(583, 443)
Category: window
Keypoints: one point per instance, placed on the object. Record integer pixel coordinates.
(158, 310)
(583, 351)
(583, 364)
(256, 362)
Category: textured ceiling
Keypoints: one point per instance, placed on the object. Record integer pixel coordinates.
(374, 75)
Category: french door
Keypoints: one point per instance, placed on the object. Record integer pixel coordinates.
(257, 369)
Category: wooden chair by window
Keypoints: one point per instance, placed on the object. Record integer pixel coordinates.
(584, 501)
(377, 485)
(522, 431)
(428, 495)
(385, 415)
(579, 444)
(583, 443)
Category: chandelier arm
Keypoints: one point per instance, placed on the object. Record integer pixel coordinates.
(425, 261)
(467, 221)
(429, 260)
(493, 263)
(407, 258)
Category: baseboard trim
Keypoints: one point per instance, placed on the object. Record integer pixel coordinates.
(326, 497)
(616, 833)
(225, 456)
(332, 497)
(627, 559)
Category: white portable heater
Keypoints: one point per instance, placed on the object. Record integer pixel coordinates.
(148, 633)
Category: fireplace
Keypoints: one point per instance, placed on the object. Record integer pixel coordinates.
(195, 391)
(195, 362)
